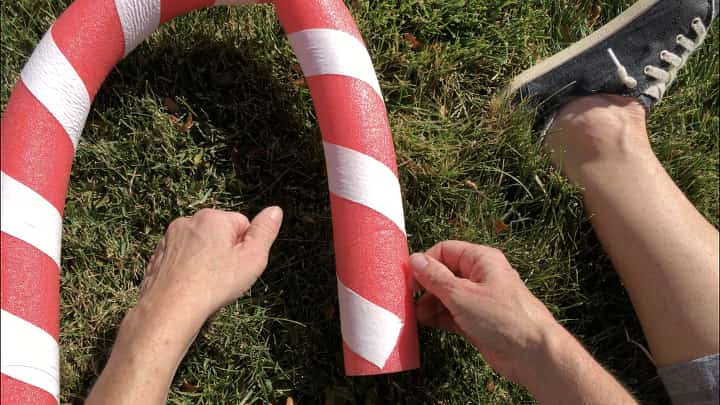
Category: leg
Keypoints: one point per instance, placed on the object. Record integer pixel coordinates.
(665, 252)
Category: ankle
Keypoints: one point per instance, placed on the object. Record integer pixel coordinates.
(597, 130)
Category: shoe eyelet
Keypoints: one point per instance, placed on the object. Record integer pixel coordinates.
(663, 55)
(696, 21)
(647, 70)
(679, 38)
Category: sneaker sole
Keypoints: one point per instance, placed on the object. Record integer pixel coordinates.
(617, 23)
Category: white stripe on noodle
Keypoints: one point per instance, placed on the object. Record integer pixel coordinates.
(360, 178)
(138, 18)
(369, 330)
(54, 82)
(326, 51)
(28, 354)
(28, 216)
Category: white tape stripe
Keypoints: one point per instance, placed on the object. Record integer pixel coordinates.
(359, 178)
(54, 82)
(325, 52)
(28, 216)
(29, 354)
(368, 329)
(138, 18)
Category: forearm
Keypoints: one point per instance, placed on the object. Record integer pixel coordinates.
(144, 359)
(565, 373)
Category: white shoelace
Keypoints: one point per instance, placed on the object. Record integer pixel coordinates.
(664, 77)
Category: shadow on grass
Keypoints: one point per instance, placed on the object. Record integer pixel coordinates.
(259, 125)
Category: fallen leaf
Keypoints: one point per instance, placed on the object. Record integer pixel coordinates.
(501, 226)
(355, 4)
(472, 185)
(289, 401)
(490, 386)
(308, 219)
(171, 105)
(185, 127)
(414, 43)
(443, 111)
(299, 82)
(594, 15)
(187, 387)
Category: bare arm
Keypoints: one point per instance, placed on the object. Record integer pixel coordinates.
(474, 291)
(202, 264)
(147, 352)
(566, 373)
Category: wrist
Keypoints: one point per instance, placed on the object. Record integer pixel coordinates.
(169, 330)
(148, 349)
(554, 365)
(565, 373)
(546, 364)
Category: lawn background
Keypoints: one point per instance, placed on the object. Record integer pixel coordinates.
(470, 169)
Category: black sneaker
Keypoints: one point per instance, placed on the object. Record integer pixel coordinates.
(638, 54)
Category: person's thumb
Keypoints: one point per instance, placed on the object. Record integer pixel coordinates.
(264, 229)
(433, 275)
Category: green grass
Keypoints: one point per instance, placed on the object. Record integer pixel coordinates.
(465, 165)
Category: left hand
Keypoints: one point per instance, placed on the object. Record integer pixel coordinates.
(206, 261)
(201, 264)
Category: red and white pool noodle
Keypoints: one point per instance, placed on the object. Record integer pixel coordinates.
(44, 119)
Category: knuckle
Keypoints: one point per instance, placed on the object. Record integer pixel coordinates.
(177, 224)
(441, 244)
(495, 255)
(438, 277)
(433, 278)
(204, 213)
(458, 292)
(243, 219)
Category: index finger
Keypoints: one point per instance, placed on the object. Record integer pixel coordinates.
(468, 260)
(224, 224)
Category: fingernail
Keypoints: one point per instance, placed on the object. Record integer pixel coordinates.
(418, 261)
(275, 213)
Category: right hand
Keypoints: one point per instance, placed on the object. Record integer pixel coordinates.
(473, 291)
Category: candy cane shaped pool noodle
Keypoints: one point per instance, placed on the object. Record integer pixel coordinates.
(42, 123)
